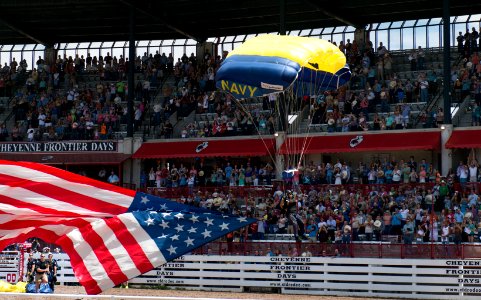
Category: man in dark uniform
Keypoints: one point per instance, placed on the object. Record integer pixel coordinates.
(30, 267)
(52, 275)
(288, 207)
(41, 270)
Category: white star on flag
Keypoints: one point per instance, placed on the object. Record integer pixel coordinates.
(208, 221)
(194, 218)
(172, 250)
(164, 236)
(192, 230)
(179, 228)
(164, 224)
(144, 200)
(224, 226)
(163, 206)
(149, 221)
(175, 237)
(179, 216)
(206, 233)
(242, 219)
(189, 242)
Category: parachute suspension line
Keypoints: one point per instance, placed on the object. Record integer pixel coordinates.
(282, 112)
(306, 140)
(310, 89)
(286, 107)
(318, 91)
(296, 104)
(249, 115)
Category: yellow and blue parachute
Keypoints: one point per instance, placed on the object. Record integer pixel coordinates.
(272, 63)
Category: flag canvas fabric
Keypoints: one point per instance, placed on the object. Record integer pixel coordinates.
(111, 234)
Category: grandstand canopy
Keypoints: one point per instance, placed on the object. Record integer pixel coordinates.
(54, 21)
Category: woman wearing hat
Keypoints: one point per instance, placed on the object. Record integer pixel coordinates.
(387, 222)
(378, 228)
(368, 227)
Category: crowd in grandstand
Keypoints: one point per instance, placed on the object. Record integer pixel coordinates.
(401, 198)
(57, 101)
(53, 104)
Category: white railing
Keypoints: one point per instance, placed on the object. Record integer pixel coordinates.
(359, 277)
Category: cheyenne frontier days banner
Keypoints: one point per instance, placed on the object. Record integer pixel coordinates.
(71, 146)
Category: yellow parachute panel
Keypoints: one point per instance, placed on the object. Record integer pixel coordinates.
(312, 53)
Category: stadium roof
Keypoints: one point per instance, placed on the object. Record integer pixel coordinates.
(55, 21)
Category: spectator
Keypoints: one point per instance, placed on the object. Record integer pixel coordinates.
(113, 178)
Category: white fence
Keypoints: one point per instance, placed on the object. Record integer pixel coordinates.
(402, 278)
(10, 266)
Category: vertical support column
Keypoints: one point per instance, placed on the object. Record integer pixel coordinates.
(282, 17)
(446, 63)
(130, 75)
(50, 56)
(446, 154)
(135, 165)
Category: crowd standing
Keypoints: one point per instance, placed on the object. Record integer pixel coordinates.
(340, 203)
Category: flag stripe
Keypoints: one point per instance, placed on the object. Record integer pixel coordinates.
(149, 247)
(116, 249)
(32, 206)
(79, 268)
(27, 221)
(93, 266)
(50, 194)
(65, 175)
(100, 250)
(124, 236)
(110, 194)
(59, 229)
(44, 203)
(12, 209)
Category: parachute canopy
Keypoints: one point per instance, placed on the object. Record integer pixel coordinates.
(272, 63)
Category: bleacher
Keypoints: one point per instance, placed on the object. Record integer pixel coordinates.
(402, 68)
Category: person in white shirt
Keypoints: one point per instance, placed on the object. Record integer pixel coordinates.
(445, 233)
(462, 173)
(424, 87)
(41, 119)
(473, 171)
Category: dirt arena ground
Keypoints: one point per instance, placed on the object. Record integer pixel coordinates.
(76, 290)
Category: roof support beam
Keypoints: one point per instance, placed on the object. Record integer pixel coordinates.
(20, 31)
(331, 14)
(133, 6)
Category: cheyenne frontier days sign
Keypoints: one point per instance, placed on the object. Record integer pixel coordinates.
(50, 147)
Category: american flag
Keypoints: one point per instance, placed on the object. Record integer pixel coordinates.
(111, 234)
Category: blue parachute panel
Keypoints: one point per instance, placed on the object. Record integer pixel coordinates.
(247, 76)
